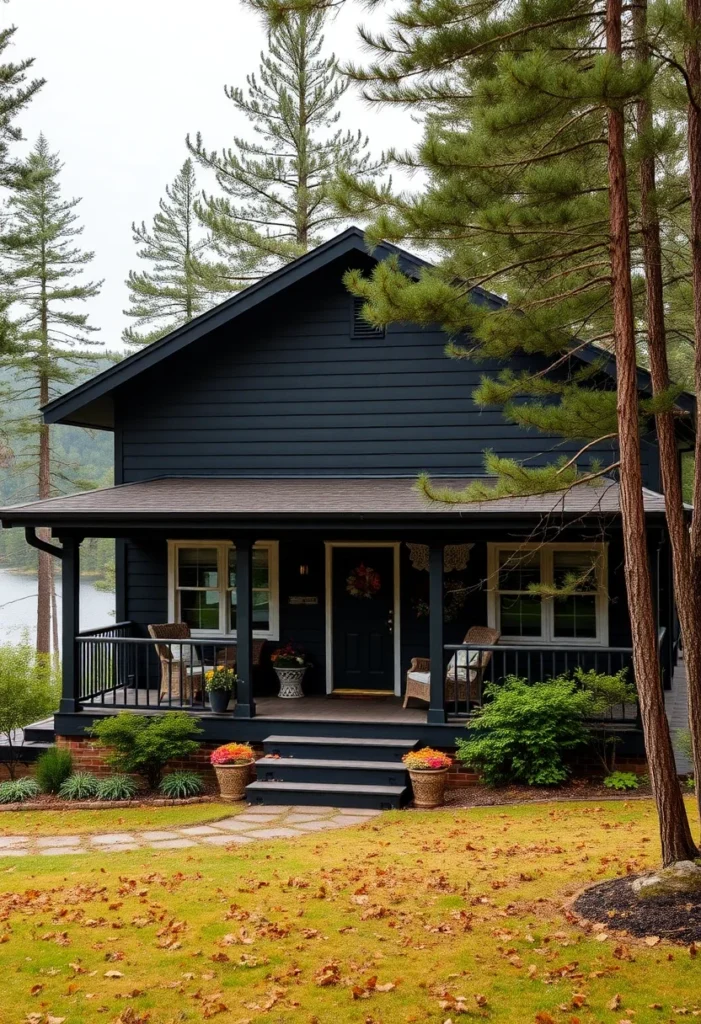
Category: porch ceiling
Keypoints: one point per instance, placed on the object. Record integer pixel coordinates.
(301, 500)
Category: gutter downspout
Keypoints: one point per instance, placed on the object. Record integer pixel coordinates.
(30, 535)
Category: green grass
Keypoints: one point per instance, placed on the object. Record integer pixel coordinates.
(75, 821)
(441, 905)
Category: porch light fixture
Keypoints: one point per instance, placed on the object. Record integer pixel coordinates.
(304, 570)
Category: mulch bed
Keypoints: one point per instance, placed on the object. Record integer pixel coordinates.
(54, 804)
(580, 789)
(670, 915)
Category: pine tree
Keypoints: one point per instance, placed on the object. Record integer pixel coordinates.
(527, 148)
(171, 293)
(275, 203)
(15, 93)
(43, 270)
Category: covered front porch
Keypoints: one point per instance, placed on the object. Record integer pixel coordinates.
(376, 586)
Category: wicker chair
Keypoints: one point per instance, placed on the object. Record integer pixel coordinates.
(227, 655)
(181, 670)
(461, 665)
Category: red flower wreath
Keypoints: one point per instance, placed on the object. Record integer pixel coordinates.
(363, 582)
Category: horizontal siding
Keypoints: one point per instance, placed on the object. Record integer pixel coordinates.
(285, 390)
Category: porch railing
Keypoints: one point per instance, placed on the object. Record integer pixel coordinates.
(117, 669)
(533, 663)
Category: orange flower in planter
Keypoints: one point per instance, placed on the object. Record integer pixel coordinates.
(232, 753)
(426, 760)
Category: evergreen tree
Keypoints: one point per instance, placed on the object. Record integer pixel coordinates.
(275, 203)
(528, 148)
(15, 93)
(43, 270)
(171, 293)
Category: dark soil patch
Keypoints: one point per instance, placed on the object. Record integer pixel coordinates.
(485, 796)
(669, 915)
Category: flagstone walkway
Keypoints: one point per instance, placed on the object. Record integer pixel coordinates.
(254, 824)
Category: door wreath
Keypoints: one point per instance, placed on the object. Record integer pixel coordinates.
(364, 581)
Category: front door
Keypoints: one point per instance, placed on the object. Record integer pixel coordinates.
(362, 612)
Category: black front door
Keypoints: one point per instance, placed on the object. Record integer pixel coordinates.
(363, 606)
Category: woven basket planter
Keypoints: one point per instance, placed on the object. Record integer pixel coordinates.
(233, 779)
(429, 787)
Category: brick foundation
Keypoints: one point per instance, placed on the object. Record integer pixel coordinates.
(21, 770)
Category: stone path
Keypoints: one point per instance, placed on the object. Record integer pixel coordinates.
(254, 824)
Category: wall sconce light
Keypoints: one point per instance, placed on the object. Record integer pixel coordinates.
(304, 570)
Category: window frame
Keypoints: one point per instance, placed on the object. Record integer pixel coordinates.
(223, 547)
(547, 619)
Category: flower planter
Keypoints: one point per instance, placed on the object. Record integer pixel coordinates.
(219, 701)
(233, 779)
(429, 786)
(291, 682)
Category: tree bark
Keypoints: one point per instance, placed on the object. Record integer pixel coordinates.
(693, 69)
(686, 589)
(675, 834)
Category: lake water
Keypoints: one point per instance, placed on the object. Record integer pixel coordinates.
(18, 606)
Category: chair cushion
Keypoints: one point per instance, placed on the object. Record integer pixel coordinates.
(187, 653)
(419, 677)
(461, 664)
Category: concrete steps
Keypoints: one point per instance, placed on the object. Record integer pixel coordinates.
(338, 771)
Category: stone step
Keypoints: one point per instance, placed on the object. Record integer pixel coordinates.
(305, 769)
(327, 794)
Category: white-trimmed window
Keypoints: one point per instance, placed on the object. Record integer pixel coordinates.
(579, 618)
(202, 587)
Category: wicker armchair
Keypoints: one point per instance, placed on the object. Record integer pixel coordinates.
(462, 665)
(181, 670)
(227, 655)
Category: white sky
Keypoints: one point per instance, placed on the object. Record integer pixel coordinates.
(126, 82)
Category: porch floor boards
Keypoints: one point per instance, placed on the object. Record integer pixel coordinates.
(387, 711)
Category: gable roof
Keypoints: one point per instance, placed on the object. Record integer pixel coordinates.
(90, 403)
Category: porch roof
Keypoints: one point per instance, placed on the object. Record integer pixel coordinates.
(176, 499)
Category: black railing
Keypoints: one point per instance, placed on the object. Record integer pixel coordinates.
(467, 676)
(119, 670)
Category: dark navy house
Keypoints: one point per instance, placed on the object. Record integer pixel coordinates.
(265, 463)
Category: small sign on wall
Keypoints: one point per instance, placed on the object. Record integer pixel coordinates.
(303, 599)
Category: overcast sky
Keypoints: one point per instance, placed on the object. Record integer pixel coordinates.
(126, 82)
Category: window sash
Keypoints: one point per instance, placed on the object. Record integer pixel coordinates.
(224, 590)
(546, 557)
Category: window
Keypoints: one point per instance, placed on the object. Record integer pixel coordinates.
(580, 617)
(202, 587)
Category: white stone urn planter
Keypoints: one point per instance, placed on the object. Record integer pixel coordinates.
(291, 682)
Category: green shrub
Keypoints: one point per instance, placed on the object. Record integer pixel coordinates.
(523, 731)
(622, 780)
(16, 791)
(179, 785)
(144, 745)
(29, 690)
(607, 694)
(117, 787)
(683, 740)
(79, 786)
(53, 768)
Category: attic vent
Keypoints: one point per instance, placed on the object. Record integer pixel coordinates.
(361, 328)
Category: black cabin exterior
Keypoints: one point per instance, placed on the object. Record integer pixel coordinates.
(265, 464)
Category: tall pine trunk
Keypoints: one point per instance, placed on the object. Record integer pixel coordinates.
(686, 589)
(675, 834)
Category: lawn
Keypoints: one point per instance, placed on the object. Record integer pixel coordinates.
(124, 819)
(413, 917)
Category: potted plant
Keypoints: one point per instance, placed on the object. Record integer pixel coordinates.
(428, 770)
(232, 766)
(219, 683)
(290, 666)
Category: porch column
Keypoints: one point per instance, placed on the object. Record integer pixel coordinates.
(436, 708)
(70, 625)
(245, 704)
